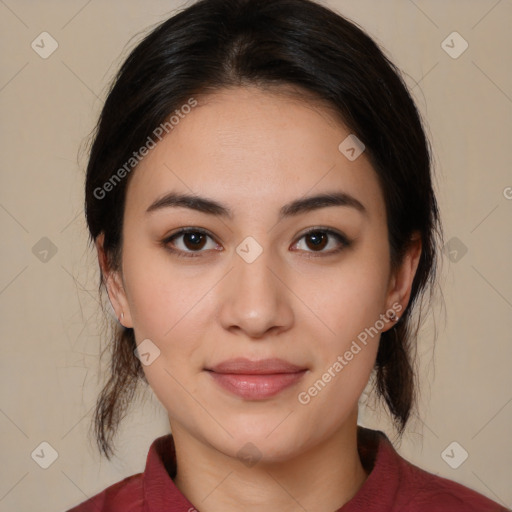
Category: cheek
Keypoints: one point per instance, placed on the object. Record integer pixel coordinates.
(161, 295)
(344, 357)
(167, 304)
(347, 297)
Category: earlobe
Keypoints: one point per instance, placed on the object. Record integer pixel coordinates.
(401, 281)
(117, 296)
(113, 283)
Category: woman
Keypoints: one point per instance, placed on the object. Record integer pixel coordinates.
(259, 194)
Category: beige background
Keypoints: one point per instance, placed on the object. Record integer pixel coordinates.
(50, 314)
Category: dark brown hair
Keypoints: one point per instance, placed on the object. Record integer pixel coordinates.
(216, 44)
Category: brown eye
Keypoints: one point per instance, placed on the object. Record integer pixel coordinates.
(188, 241)
(318, 239)
(194, 240)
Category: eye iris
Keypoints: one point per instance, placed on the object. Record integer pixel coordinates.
(195, 238)
(319, 239)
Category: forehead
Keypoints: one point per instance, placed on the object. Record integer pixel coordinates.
(246, 146)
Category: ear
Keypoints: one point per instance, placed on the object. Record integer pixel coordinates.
(400, 282)
(115, 286)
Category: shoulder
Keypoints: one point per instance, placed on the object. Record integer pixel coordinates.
(396, 485)
(151, 489)
(123, 496)
(421, 491)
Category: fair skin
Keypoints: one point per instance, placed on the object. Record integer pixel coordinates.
(254, 151)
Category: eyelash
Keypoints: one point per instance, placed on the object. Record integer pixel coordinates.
(343, 240)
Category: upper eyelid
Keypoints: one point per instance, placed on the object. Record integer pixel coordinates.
(342, 239)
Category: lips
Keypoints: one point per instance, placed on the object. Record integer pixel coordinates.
(245, 366)
(256, 380)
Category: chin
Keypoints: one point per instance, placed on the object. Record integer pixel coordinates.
(266, 445)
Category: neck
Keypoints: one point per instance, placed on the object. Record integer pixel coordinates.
(322, 479)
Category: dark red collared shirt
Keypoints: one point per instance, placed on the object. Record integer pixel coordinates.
(393, 485)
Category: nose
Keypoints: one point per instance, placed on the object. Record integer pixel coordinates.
(256, 298)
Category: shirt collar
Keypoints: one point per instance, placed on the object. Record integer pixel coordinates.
(160, 492)
(378, 456)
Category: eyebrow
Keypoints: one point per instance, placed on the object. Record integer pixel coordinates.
(296, 207)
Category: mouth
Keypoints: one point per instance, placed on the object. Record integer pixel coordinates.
(256, 380)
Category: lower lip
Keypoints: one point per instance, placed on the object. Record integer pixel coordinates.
(256, 387)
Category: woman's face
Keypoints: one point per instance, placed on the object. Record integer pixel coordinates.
(249, 282)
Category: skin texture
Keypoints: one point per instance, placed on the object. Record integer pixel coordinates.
(254, 151)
